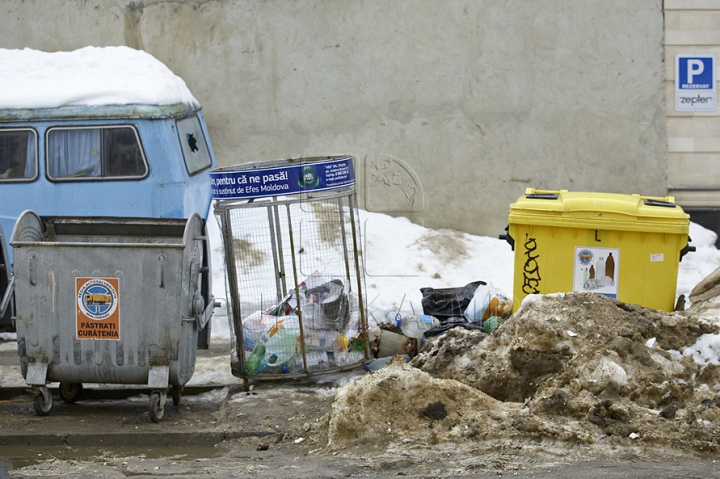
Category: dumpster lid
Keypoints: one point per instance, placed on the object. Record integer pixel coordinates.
(31, 228)
(599, 211)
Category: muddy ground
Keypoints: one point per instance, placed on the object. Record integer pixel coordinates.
(575, 385)
(282, 432)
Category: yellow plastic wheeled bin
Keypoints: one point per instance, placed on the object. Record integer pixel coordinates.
(624, 246)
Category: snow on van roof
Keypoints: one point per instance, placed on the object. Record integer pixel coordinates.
(89, 76)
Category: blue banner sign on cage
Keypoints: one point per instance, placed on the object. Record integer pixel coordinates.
(250, 181)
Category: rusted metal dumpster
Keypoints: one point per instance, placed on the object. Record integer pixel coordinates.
(109, 300)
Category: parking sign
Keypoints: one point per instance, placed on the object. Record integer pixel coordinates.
(695, 88)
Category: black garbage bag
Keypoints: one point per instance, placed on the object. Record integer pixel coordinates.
(446, 303)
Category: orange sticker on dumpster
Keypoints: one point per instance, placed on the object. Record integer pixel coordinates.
(98, 308)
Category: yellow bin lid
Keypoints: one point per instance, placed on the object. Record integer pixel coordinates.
(603, 211)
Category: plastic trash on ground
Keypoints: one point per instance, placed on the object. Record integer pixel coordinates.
(486, 302)
(466, 306)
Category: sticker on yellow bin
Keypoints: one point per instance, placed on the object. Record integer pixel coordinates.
(98, 310)
(596, 270)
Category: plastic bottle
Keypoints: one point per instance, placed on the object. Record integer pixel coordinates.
(262, 366)
(341, 357)
(258, 354)
(281, 347)
(394, 318)
(610, 267)
(376, 364)
(592, 272)
(586, 275)
(355, 356)
(415, 326)
(321, 339)
(315, 359)
(342, 341)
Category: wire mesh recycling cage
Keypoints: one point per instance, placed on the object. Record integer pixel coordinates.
(294, 275)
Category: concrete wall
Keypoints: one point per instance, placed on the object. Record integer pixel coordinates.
(453, 107)
(692, 27)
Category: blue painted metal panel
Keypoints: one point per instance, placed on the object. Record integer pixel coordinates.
(168, 191)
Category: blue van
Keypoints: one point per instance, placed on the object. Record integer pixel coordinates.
(99, 131)
(150, 161)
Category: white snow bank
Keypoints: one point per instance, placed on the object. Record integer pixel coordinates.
(88, 76)
(697, 265)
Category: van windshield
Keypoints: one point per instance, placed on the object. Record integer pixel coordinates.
(95, 153)
(18, 155)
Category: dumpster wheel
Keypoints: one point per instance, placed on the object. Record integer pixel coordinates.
(70, 392)
(43, 402)
(176, 393)
(157, 406)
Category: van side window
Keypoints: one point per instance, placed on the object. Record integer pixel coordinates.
(194, 147)
(18, 155)
(94, 153)
(124, 154)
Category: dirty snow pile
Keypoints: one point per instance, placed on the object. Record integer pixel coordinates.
(579, 368)
(566, 369)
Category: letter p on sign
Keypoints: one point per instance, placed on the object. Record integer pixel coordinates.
(694, 68)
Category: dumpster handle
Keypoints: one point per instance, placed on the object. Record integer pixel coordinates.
(542, 196)
(687, 249)
(6, 297)
(32, 277)
(508, 238)
(596, 238)
(204, 316)
(666, 204)
(161, 264)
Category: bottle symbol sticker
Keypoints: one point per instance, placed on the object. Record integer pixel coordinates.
(610, 267)
(596, 270)
(600, 268)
